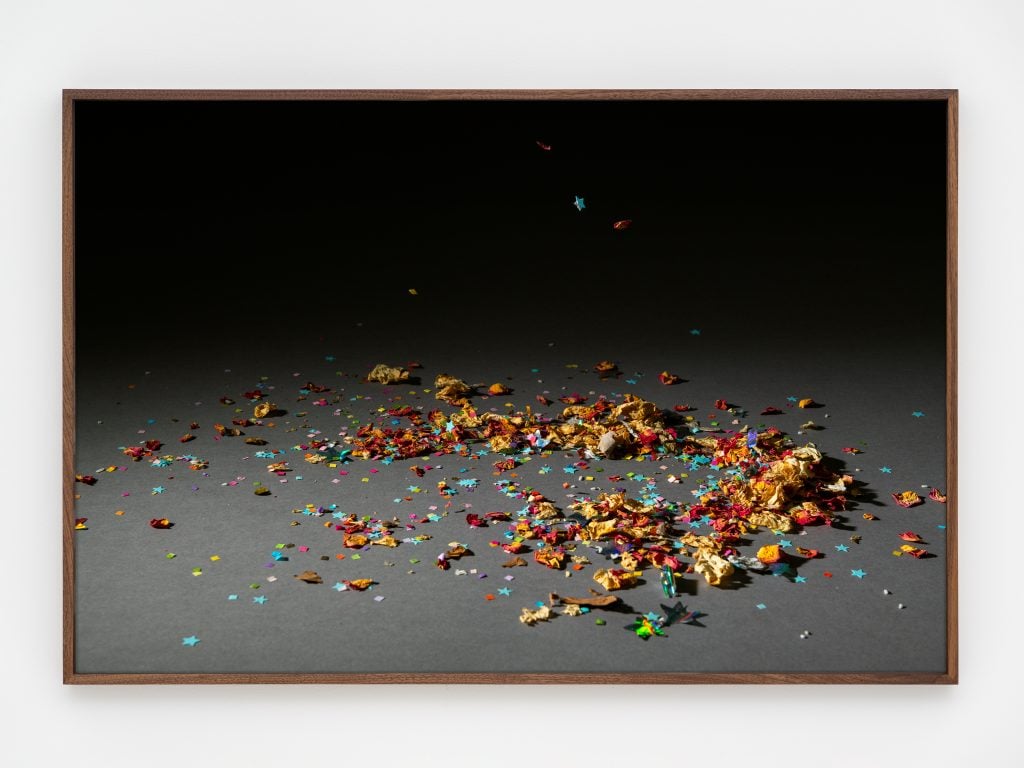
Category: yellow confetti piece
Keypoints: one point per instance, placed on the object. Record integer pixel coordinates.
(413, 292)
(119, 512)
(214, 558)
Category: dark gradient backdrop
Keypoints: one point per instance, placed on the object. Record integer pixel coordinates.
(219, 245)
(191, 212)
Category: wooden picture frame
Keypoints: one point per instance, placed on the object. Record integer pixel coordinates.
(192, 233)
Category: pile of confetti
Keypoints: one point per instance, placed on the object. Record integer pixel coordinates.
(755, 478)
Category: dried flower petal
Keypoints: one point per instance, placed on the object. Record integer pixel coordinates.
(907, 499)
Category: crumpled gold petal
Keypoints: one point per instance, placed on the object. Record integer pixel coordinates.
(388, 374)
(532, 616)
(713, 567)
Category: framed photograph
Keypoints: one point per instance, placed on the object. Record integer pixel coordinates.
(510, 386)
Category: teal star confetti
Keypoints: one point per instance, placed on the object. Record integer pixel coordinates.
(842, 548)
(917, 414)
(886, 470)
(158, 489)
(695, 331)
(859, 573)
(800, 579)
(580, 205)
(260, 599)
(785, 543)
(190, 641)
(505, 591)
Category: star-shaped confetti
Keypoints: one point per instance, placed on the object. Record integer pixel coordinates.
(645, 628)
(886, 470)
(260, 599)
(695, 331)
(190, 641)
(799, 579)
(859, 573)
(917, 414)
(842, 548)
(158, 489)
(505, 591)
(580, 205)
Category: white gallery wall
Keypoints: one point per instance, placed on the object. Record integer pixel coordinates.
(972, 45)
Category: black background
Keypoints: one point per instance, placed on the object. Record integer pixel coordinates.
(194, 216)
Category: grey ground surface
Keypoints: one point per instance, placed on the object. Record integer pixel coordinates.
(134, 605)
